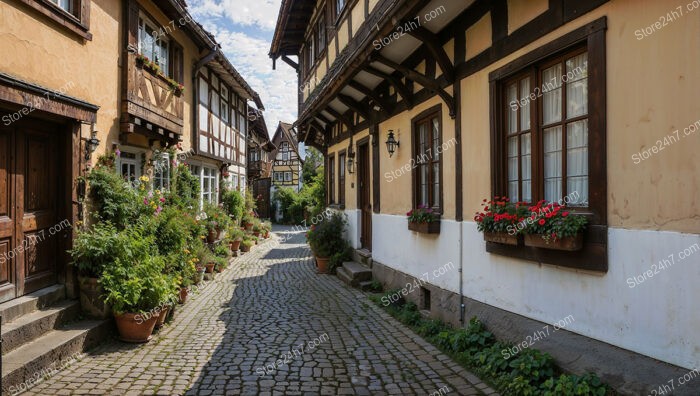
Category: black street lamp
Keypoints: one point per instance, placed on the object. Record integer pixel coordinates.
(391, 143)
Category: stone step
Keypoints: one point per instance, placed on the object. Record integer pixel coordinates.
(34, 324)
(357, 271)
(13, 309)
(344, 276)
(365, 285)
(51, 351)
(365, 257)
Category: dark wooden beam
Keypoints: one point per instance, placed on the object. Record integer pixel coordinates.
(432, 43)
(290, 62)
(371, 94)
(398, 85)
(340, 117)
(354, 106)
(322, 118)
(421, 79)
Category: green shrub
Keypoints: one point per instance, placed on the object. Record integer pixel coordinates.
(95, 248)
(184, 190)
(113, 199)
(233, 203)
(326, 237)
(430, 328)
(566, 384)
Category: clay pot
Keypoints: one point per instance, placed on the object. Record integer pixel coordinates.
(183, 295)
(210, 267)
(245, 248)
(162, 316)
(132, 327)
(322, 264)
(212, 235)
(235, 245)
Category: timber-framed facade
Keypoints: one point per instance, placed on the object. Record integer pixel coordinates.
(504, 98)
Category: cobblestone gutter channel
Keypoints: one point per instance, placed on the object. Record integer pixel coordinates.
(270, 326)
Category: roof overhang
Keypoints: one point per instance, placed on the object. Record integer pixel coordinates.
(292, 21)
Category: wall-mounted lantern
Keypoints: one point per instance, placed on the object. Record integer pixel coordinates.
(391, 143)
(351, 159)
(91, 145)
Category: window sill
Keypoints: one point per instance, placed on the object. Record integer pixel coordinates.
(60, 16)
(593, 256)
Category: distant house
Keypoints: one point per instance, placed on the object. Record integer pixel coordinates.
(286, 168)
(260, 160)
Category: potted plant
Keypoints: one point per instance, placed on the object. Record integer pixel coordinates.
(499, 220)
(257, 228)
(235, 235)
(326, 239)
(212, 230)
(248, 221)
(233, 203)
(221, 264)
(554, 227)
(423, 219)
(266, 227)
(246, 244)
(134, 284)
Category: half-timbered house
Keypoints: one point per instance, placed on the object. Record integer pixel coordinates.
(286, 168)
(260, 161)
(82, 78)
(445, 103)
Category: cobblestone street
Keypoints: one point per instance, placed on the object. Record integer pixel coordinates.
(233, 334)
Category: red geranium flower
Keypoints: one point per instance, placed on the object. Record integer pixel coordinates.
(541, 222)
(564, 214)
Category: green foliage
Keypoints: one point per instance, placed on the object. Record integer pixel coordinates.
(97, 247)
(337, 259)
(216, 217)
(222, 250)
(422, 214)
(250, 203)
(530, 372)
(134, 281)
(233, 203)
(234, 233)
(171, 231)
(308, 202)
(326, 237)
(247, 243)
(310, 169)
(113, 199)
(375, 286)
(184, 190)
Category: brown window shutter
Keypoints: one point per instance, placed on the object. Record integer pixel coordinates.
(133, 24)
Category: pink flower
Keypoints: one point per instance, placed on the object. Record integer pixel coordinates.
(162, 199)
(145, 201)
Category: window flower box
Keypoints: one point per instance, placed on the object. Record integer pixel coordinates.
(571, 243)
(432, 227)
(424, 219)
(501, 237)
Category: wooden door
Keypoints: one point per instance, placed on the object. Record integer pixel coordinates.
(365, 204)
(29, 206)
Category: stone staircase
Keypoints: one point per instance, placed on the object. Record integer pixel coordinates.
(355, 274)
(40, 331)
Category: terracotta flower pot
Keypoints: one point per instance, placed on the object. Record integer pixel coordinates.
(218, 233)
(219, 269)
(162, 316)
(248, 226)
(183, 295)
(211, 236)
(132, 327)
(322, 264)
(235, 245)
(267, 234)
(210, 267)
(256, 233)
(245, 248)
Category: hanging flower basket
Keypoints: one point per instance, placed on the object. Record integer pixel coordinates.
(542, 241)
(424, 220)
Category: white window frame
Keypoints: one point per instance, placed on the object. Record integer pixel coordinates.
(135, 162)
(287, 179)
(65, 5)
(161, 181)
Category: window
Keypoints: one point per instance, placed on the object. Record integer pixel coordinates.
(427, 146)
(242, 183)
(64, 4)
(287, 176)
(234, 181)
(341, 178)
(153, 44)
(209, 184)
(321, 34)
(161, 176)
(546, 128)
(242, 119)
(278, 176)
(331, 179)
(339, 5)
(310, 54)
(130, 167)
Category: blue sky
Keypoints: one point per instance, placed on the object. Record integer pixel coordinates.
(244, 28)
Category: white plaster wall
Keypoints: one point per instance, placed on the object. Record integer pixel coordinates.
(658, 318)
(352, 233)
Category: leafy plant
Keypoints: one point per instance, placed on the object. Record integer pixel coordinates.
(326, 237)
(247, 243)
(553, 221)
(235, 233)
(95, 248)
(422, 214)
(500, 215)
(233, 203)
(113, 200)
(184, 190)
(222, 250)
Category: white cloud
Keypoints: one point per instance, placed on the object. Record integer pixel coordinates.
(260, 13)
(277, 88)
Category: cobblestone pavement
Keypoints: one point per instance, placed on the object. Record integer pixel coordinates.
(270, 325)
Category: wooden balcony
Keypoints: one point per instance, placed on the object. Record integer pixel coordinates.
(149, 105)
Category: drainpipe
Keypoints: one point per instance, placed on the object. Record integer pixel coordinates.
(461, 279)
